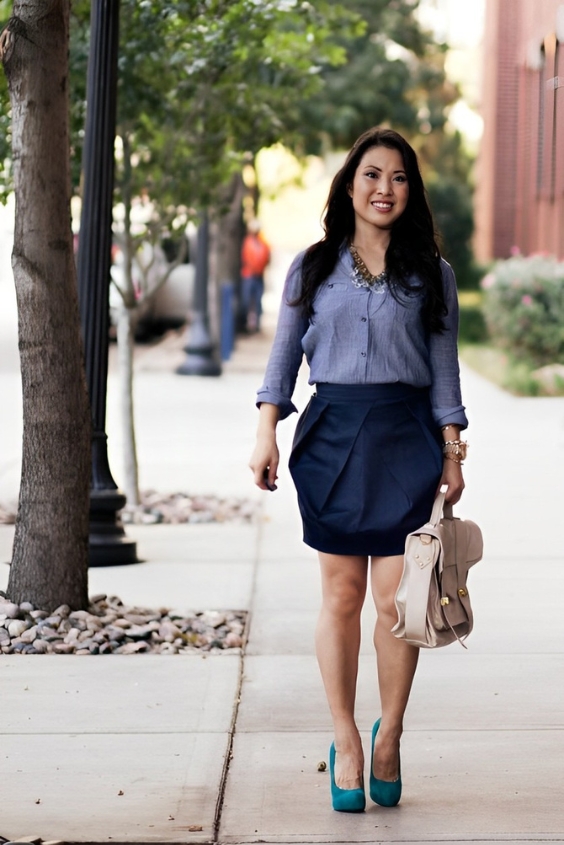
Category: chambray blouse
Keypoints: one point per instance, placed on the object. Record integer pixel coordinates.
(364, 336)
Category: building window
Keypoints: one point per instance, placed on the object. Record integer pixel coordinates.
(540, 123)
(557, 139)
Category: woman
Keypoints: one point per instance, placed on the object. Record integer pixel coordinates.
(373, 307)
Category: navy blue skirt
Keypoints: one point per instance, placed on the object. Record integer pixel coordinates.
(366, 461)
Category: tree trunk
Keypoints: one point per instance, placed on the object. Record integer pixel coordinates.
(125, 342)
(225, 260)
(125, 364)
(231, 231)
(50, 555)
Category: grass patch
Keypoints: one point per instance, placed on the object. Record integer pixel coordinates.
(470, 298)
(503, 369)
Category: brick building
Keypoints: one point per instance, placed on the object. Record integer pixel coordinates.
(519, 197)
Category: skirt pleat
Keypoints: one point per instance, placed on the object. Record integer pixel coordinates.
(366, 461)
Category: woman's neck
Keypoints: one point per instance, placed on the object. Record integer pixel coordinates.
(371, 239)
(372, 246)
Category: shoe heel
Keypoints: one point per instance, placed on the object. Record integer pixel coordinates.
(344, 800)
(386, 793)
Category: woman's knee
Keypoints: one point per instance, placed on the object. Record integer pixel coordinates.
(344, 598)
(386, 608)
(344, 581)
(385, 576)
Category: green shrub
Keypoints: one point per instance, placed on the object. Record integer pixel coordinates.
(472, 328)
(524, 307)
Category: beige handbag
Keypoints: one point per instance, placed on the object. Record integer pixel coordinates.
(432, 600)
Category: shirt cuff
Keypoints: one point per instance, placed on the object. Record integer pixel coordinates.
(284, 404)
(451, 416)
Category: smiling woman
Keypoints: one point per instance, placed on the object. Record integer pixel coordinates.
(373, 307)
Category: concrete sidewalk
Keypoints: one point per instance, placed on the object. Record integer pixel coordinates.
(484, 744)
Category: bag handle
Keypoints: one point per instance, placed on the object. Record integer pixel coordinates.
(440, 507)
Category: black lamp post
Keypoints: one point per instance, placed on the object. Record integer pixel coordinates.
(200, 358)
(108, 542)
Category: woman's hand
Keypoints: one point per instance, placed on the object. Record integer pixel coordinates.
(264, 462)
(266, 457)
(452, 477)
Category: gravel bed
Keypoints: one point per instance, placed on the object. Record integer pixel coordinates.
(171, 508)
(110, 627)
(175, 508)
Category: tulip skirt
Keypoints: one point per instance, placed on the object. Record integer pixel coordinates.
(366, 461)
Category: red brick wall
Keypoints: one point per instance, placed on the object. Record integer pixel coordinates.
(520, 172)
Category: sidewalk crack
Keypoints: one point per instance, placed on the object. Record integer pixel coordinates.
(239, 689)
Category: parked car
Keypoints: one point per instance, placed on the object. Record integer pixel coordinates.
(167, 308)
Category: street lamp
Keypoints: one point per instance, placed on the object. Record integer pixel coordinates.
(108, 542)
(200, 359)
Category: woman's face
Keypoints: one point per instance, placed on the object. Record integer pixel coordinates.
(379, 190)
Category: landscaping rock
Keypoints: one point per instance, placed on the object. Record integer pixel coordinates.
(110, 627)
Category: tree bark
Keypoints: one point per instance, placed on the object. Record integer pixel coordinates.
(125, 364)
(225, 259)
(50, 555)
(230, 234)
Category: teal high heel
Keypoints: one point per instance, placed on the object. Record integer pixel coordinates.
(344, 800)
(387, 793)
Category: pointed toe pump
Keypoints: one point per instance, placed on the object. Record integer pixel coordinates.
(344, 800)
(387, 793)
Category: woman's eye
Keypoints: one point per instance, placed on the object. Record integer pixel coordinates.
(401, 179)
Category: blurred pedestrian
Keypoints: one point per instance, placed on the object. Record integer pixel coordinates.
(373, 307)
(255, 257)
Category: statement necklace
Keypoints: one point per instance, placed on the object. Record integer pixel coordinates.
(363, 278)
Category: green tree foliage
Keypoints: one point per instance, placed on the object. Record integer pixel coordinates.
(205, 82)
(449, 186)
(394, 75)
(202, 82)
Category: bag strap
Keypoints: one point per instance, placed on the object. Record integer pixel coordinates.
(438, 506)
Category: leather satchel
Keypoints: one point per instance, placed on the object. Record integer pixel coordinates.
(432, 599)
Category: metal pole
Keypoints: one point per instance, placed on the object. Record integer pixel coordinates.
(108, 542)
(200, 358)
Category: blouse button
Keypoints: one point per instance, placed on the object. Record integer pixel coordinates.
(363, 319)
(363, 354)
(330, 286)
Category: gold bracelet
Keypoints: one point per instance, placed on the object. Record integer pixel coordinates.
(452, 456)
(456, 450)
(450, 425)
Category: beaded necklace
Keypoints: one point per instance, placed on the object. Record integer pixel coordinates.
(363, 278)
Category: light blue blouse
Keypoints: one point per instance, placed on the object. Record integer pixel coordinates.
(364, 336)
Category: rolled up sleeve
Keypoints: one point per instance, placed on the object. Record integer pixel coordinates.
(446, 399)
(287, 353)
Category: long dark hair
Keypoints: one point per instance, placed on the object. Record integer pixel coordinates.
(412, 256)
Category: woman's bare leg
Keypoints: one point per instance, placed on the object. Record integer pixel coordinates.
(397, 661)
(337, 640)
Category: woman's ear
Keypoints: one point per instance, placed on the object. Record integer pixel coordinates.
(349, 190)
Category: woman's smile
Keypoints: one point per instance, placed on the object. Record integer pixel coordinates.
(383, 206)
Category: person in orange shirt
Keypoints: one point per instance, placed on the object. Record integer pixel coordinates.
(255, 257)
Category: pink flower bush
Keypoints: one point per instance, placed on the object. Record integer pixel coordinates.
(523, 307)
(488, 281)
